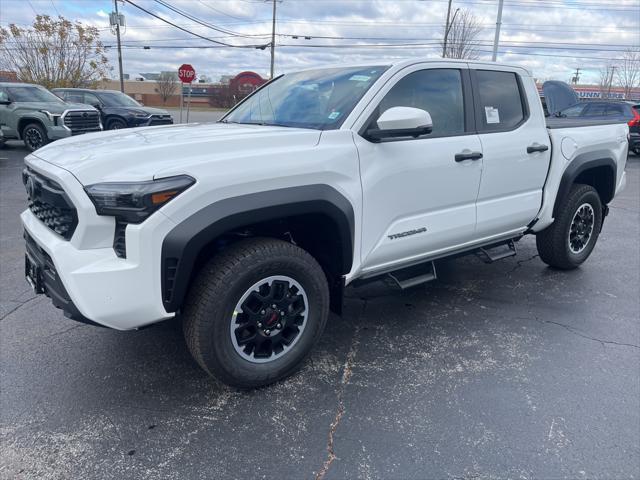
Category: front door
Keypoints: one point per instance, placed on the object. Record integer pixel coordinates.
(418, 198)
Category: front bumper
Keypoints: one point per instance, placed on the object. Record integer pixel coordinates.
(150, 122)
(92, 282)
(58, 132)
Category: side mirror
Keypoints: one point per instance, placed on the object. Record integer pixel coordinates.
(97, 106)
(401, 122)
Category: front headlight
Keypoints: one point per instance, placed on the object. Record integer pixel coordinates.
(53, 117)
(134, 202)
(141, 115)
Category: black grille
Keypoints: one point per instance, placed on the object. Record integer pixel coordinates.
(119, 243)
(170, 267)
(50, 204)
(161, 120)
(81, 121)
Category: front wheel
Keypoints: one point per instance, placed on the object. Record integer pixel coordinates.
(116, 124)
(255, 311)
(34, 136)
(570, 239)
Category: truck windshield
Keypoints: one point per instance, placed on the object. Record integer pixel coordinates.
(31, 94)
(318, 99)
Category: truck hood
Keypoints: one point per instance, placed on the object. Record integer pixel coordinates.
(558, 95)
(57, 108)
(138, 154)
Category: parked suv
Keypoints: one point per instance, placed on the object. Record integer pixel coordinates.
(249, 229)
(116, 109)
(35, 115)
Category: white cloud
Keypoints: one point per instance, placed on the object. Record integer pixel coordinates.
(602, 28)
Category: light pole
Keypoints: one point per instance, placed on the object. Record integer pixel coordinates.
(446, 33)
(496, 39)
(446, 30)
(273, 38)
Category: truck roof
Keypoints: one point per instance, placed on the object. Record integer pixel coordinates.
(18, 84)
(405, 62)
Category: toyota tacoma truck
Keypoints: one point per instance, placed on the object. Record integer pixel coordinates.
(249, 229)
(35, 115)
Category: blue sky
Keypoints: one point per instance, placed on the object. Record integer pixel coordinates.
(550, 37)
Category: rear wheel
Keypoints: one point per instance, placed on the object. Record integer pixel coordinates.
(255, 311)
(34, 136)
(570, 239)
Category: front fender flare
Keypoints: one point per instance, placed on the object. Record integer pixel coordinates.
(182, 245)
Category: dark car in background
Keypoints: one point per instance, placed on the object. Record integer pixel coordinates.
(634, 128)
(117, 109)
(599, 110)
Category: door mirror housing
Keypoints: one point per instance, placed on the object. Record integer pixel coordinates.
(401, 122)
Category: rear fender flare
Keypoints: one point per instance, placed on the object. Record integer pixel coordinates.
(580, 164)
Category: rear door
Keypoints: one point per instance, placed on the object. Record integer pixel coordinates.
(417, 197)
(516, 149)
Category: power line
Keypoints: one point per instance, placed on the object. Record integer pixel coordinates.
(188, 31)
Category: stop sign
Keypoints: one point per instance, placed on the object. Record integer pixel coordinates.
(186, 73)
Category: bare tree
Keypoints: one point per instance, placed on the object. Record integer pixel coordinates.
(167, 85)
(461, 37)
(628, 72)
(54, 53)
(606, 79)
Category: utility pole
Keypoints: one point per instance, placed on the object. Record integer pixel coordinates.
(576, 77)
(273, 37)
(446, 31)
(496, 40)
(117, 22)
(613, 69)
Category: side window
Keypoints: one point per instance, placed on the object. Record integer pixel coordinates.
(74, 97)
(438, 91)
(595, 109)
(500, 100)
(91, 99)
(614, 110)
(4, 96)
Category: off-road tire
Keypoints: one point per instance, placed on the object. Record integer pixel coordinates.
(553, 243)
(220, 285)
(34, 136)
(116, 124)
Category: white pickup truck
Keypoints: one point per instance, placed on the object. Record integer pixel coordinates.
(250, 228)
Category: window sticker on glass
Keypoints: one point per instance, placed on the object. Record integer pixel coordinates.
(360, 78)
(334, 115)
(492, 115)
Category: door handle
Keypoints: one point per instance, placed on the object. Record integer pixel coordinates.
(467, 155)
(536, 147)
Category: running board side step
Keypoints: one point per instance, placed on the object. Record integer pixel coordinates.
(493, 254)
(412, 276)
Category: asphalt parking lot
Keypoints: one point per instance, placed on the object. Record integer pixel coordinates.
(509, 370)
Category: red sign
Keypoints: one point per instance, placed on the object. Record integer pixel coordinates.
(186, 73)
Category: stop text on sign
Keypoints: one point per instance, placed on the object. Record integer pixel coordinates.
(186, 73)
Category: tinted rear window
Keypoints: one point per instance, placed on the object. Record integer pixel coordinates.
(501, 106)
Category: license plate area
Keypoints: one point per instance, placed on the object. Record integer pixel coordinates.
(33, 274)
